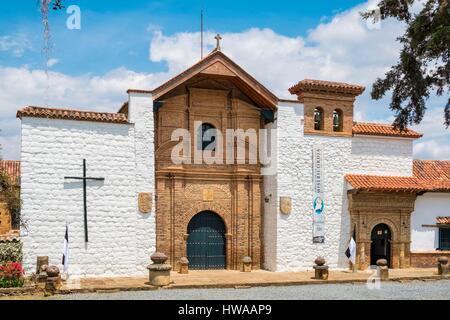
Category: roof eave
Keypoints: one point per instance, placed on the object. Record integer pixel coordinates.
(266, 95)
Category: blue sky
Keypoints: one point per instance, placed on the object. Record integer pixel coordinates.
(116, 33)
(141, 43)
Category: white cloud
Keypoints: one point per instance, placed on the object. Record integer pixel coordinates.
(21, 87)
(436, 141)
(432, 149)
(52, 62)
(16, 44)
(343, 49)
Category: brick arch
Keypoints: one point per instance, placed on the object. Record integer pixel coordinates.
(204, 206)
(391, 224)
(167, 145)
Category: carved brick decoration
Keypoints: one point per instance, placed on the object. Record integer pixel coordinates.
(285, 205)
(368, 209)
(208, 195)
(231, 191)
(145, 202)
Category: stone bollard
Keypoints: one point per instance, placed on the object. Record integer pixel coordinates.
(41, 261)
(53, 282)
(247, 264)
(159, 271)
(443, 266)
(184, 265)
(321, 269)
(42, 274)
(383, 269)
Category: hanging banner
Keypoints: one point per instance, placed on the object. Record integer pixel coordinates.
(318, 196)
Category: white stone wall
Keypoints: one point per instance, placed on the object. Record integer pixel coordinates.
(120, 238)
(381, 156)
(427, 208)
(294, 247)
(270, 208)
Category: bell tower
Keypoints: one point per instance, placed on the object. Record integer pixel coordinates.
(328, 106)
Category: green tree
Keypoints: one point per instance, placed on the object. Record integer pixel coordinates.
(424, 62)
(57, 4)
(10, 193)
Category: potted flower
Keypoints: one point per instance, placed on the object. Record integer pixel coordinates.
(11, 275)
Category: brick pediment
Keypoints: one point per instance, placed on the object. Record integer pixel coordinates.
(218, 68)
(218, 64)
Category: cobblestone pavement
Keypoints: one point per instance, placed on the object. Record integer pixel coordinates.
(389, 290)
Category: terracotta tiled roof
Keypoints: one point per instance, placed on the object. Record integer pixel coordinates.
(428, 176)
(443, 220)
(380, 129)
(384, 183)
(10, 236)
(12, 168)
(321, 85)
(67, 114)
(432, 169)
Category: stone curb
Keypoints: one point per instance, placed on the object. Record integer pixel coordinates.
(297, 283)
(173, 286)
(25, 290)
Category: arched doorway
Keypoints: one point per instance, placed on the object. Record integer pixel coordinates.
(206, 246)
(381, 244)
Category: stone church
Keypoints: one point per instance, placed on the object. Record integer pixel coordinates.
(111, 179)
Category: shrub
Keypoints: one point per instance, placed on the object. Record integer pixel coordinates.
(11, 251)
(10, 192)
(11, 275)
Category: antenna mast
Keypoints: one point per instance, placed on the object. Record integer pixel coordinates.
(201, 34)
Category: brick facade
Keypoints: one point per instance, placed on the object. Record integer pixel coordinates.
(427, 259)
(235, 190)
(329, 103)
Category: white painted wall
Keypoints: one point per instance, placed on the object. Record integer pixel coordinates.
(270, 189)
(427, 208)
(120, 238)
(294, 248)
(377, 155)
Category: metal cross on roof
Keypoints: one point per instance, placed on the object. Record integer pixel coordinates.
(218, 38)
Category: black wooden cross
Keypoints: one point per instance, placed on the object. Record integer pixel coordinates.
(85, 179)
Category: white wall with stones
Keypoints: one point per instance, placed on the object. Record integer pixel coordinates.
(270, 207)
(121, 239)
(427, 208)
(294, 247)
(375, 155)
(291, 248)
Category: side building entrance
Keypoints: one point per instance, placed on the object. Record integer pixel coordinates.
(381, 223)
(381, 244)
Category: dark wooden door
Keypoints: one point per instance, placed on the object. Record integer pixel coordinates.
(381, 244)
(206, 242)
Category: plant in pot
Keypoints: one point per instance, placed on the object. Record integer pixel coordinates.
(11, 275)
